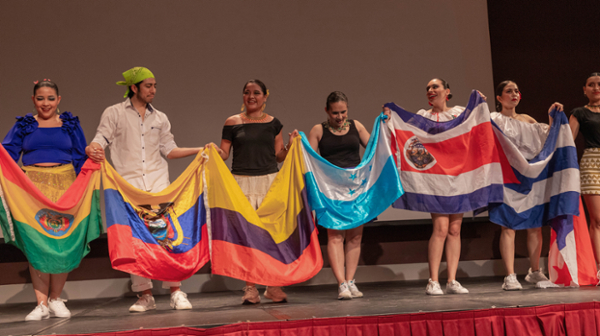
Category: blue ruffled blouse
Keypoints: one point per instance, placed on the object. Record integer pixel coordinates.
(65, 144)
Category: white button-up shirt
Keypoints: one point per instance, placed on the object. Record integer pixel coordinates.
(136, 146)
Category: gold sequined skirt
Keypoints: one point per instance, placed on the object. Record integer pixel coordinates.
(51, 181)
(589, 169)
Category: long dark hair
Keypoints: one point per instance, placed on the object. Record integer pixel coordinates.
(499, 90)
(334, 97)
(445, 85)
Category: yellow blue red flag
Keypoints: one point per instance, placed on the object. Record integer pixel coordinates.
(276, 245)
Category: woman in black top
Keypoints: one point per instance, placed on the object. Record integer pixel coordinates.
(587, 119)
(257, 148)
(338, 140)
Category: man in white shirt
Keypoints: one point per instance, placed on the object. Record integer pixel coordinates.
(139, 137)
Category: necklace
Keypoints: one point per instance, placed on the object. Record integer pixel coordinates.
(592, 106)
(250, 119)
(341, 128)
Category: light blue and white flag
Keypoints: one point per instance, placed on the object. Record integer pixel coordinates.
(345, 198)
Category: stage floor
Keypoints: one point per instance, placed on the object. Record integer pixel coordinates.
(215, 309)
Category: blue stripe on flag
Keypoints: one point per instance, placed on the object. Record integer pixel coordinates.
(451, 204)
(434, 127)
(365, 198)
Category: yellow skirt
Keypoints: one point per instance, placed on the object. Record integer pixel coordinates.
(51, 181)
(589, 169)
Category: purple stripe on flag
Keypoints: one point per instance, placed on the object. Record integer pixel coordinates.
(234, 228)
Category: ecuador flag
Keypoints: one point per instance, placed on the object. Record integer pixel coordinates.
(161, 236)
(277, 244)
(53, 236)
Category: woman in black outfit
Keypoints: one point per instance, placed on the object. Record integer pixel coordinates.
(338, 140)
(257, 146)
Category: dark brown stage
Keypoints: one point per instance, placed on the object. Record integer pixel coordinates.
(387, 308)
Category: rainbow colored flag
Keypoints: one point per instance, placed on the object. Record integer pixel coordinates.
(277, 244)
(161, 236)
(53, 236)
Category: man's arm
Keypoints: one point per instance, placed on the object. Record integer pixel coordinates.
(179, 152)
(104, 135)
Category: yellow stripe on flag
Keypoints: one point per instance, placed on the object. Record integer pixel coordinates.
(282, 204)
(24, 207)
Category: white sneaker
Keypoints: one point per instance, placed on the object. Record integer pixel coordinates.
(344, 292)
(38, 313)
(535, 277)
(179, 301)
(433, 288)
(57, 308)
(354, 290)
(511, 283)
(454, 287)
(144, 303)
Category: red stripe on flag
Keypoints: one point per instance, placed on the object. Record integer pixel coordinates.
(131, 255)
(13, 173)
(458, 155)
(252, 265)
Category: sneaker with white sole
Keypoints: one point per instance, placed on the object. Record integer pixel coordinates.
(511, 283)
(276, 294)
(535, 277)
(250, 295)
(344, 292)
(454, 287)
(354, 290)
(180, 301)
(144, 303)
(38, 313)
(57, 308)
(433, 288)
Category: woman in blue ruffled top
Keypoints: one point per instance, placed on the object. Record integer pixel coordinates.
(52, 147)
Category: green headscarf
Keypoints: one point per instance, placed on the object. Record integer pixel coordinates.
(133, 76)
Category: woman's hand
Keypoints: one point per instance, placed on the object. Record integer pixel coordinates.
(386, 112)
(557, 106)
(95, 152)
(213, 145)
(292, 136)
(482, 95)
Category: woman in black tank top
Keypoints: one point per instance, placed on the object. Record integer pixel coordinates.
(338, 140)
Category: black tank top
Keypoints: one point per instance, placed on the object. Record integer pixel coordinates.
(341, 150)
